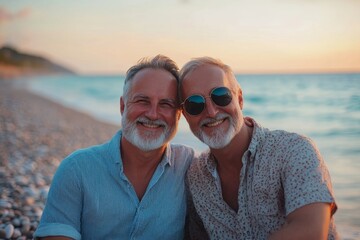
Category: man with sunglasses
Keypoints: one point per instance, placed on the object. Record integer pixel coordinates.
(132, 187)
(253, 183)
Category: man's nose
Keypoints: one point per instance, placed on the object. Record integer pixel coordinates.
(152, 112)
(211, 108)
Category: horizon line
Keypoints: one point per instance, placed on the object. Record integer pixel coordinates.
(243, 73)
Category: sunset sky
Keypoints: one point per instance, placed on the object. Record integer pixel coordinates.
(259, 36)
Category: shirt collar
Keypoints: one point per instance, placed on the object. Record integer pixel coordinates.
(257, 138)
(115, 153)
(211, 163)
(167, 158)
(114, 148)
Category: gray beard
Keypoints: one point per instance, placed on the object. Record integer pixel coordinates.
(218, 139)
(148, 141)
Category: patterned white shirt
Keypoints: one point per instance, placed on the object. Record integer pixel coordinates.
(281, 172)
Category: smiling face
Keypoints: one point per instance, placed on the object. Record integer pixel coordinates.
(216, 125)
(149, 109)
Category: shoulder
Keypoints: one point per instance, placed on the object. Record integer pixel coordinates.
(282, 136)
(279, 140)
(82, 157)
(181, 148)
(292, 139)
(289, 143)
(182, 153)
(299, 146)
(281, 149)
(298, 154)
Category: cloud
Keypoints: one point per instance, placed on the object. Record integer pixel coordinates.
(7, 16)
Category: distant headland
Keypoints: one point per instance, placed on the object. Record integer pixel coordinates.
(15, 64)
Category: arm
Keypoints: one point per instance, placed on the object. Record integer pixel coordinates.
(194, 227)
(308, 222)
(61, 218)
(309, 201)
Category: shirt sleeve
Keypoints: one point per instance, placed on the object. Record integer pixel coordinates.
(305, 176)
(62, 213)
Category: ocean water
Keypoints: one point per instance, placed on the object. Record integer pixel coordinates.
(325, 107)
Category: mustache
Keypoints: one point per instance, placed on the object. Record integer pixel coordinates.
(145, 120)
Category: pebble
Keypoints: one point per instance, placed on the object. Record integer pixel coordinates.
(16, 233)
(16, 222)
(9, 231)
(4, 204)
(35, 135)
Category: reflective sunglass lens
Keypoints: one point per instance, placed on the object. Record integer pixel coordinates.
(194, 105)
(221, 96)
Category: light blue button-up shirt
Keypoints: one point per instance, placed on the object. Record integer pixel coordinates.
(91, 198)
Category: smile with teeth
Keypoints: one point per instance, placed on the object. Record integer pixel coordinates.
(150, 125)
(215, 123)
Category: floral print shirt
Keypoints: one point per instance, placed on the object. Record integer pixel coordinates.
(281, 172)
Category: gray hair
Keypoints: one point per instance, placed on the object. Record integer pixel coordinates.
(201, 61)
(158, 62)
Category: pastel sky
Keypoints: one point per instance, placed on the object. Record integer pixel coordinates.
(108, 36)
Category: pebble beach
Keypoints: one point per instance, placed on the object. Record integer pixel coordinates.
(35, 135)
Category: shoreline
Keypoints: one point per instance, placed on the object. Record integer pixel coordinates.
(36, 134)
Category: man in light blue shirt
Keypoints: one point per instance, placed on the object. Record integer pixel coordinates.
(131, 187)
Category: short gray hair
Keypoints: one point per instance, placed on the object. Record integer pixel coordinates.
(158, 62)
(201, 61)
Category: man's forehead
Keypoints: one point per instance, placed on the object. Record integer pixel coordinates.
(154, 91)
(204, 75)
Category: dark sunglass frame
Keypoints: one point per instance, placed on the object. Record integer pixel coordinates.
(195, 104)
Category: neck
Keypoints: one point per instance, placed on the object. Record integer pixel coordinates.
(230, 156)
(133, 157)
(139, 166)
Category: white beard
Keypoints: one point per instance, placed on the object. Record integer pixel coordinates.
(146, 141)
(219, 138)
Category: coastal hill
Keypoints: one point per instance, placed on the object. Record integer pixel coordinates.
(14, 64)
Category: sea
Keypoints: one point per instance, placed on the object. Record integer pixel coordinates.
(325, 107)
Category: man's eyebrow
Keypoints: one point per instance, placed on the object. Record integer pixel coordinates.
(169, 100)
(136, 96)
(163, 100)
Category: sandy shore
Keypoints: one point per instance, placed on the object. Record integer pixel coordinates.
(35, 135)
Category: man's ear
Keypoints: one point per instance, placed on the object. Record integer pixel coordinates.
(122, 105)
(240, 99)
(178, 113)
(184, 114)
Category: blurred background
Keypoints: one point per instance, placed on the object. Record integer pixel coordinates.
(298, 62)
(106, 37)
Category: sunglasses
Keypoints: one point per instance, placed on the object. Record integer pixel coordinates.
(195, 104)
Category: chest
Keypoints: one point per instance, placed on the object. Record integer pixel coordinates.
(259, 196)
(114, 206)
